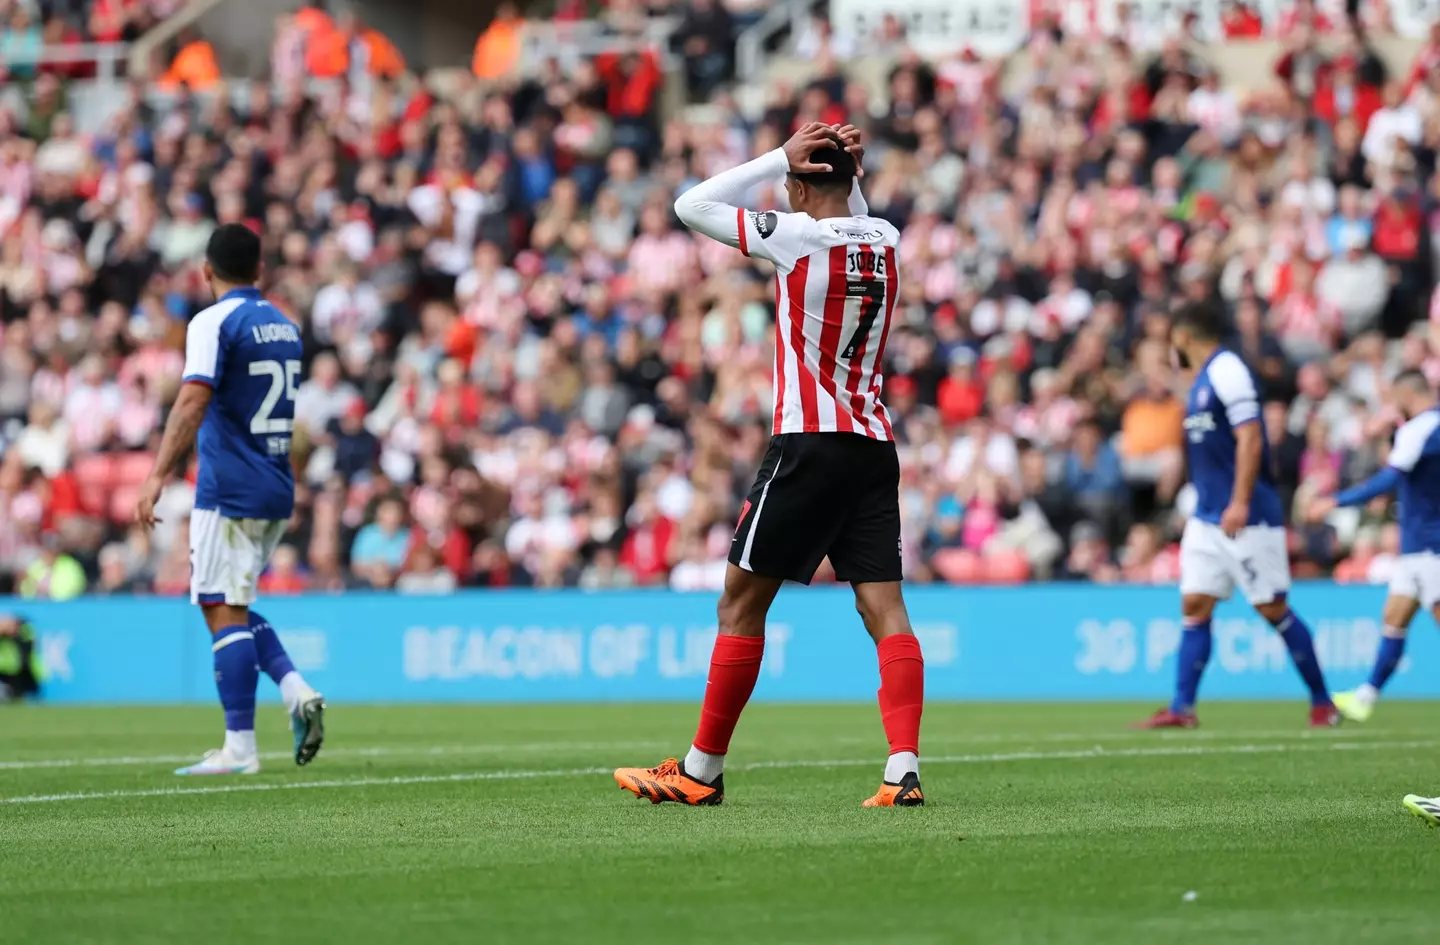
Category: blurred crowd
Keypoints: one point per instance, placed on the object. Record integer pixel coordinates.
(522, 371)
(28, 27)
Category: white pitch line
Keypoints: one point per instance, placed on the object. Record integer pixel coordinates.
(381, 751)
(402, 751)
(464, 777)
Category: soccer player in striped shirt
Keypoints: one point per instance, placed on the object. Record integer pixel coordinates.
(829, 484)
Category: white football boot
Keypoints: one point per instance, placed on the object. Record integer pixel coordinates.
(220, 761)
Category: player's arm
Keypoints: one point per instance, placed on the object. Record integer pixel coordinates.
(181, 427)
(1404, 454)
(712, 207)
(1235, 390)
(203, 364)
(1381, 483)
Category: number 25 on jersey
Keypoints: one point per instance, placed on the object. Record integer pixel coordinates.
(284, 382)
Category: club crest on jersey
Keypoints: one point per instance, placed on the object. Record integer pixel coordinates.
(765, 222)
(1202, 397)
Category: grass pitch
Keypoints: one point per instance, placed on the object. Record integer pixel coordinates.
(1045, 824)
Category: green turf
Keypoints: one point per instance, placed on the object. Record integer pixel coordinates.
(1045, 824)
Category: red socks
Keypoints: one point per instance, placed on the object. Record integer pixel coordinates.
(902, 691)
(734, 667)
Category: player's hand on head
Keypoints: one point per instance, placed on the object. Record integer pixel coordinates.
(850, 137)
(811, 137)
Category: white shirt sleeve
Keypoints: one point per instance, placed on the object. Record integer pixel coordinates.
(858, 206)
(711, 208)
(204, 344)
(1235, 388)
(1410, 440)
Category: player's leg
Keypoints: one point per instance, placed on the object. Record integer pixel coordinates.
(219, 552)
(902, 690)
(698, 780)
(782, 535)
(866, 554)
(734, 668)
(1358, 704)
(1263, 571)
(305, 706)
(1204, 580)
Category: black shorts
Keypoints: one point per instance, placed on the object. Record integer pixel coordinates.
(819, 494)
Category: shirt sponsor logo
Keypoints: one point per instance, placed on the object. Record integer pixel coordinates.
(765, 223)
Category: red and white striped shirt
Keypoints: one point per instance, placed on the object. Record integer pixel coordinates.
(836, 283)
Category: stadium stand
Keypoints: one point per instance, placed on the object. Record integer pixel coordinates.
(522, 371)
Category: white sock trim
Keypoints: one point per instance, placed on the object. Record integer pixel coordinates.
(240, 745)
(294, 690)
(900, 764)
(703, 766)
(230, 638)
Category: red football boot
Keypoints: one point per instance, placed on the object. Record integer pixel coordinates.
(1325, 716)
(1167, 718)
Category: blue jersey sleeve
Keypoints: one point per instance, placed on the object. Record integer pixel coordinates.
(1379, 484)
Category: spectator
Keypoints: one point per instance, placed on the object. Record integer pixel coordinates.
(424, 574)
(1089, 557)
(20, 44)
(1397, 123)
(1093, 474)
(323, 397)
(705, 37)
(54, 575)
(1151, 436)
(115, 573)
(350, 48)
(1144, 560)
(345, 308)
(284, 576)
(647, 548)
(194, 67)
(1306, 324)
(1355, 285)
(381, 547)
(961, 396)
(356, 448)
(497, 51)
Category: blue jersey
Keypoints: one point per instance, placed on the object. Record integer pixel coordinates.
(249, 354)
(1223, 399)
(1416, 456)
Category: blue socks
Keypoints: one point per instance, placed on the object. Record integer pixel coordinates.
(1302, 651)
(1195, 644)
(236, 676)
(269, 652)
(1387, 660)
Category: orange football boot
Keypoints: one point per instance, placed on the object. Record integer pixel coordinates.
(905, 794)
(668, 781)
